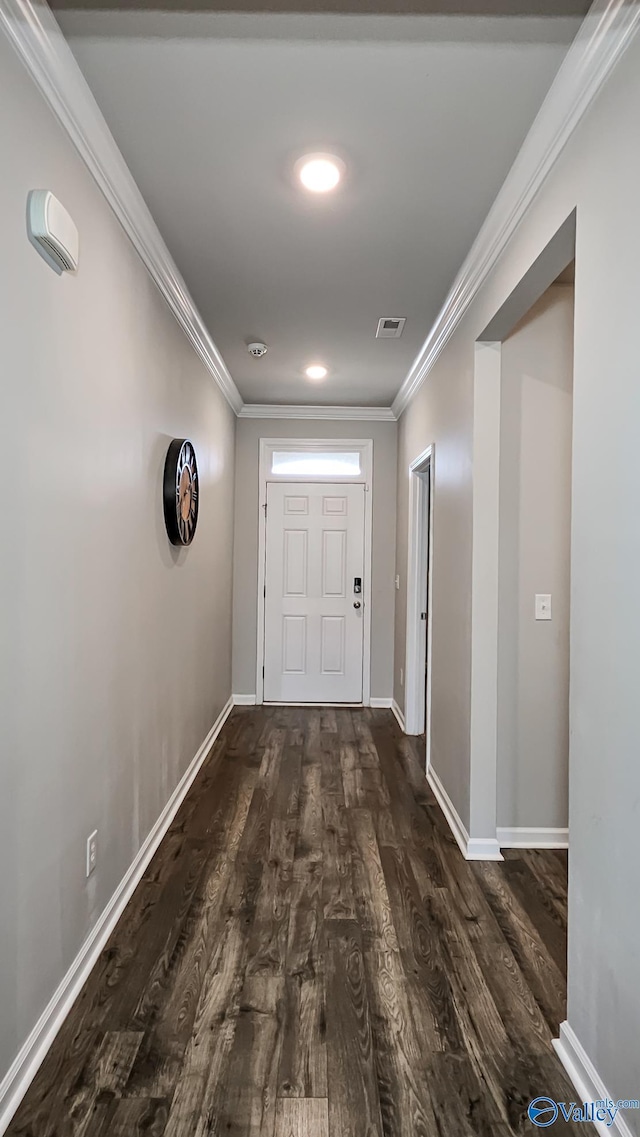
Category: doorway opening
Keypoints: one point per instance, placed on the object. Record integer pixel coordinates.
(534, 574)
(418, 670)
(521, 580)
(536, 346)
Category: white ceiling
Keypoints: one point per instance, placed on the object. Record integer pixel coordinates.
(211, 110)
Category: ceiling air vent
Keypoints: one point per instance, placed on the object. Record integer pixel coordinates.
(390, 327)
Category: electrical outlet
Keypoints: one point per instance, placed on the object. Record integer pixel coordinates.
(92, 851)
(402, 676)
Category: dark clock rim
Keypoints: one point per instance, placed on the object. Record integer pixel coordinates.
(172, 465)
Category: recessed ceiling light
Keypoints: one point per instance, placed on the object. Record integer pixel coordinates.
(316, 371)
(319, 172)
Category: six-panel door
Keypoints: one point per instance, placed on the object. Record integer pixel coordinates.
(313, 629)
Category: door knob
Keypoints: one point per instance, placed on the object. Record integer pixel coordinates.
(356, 604)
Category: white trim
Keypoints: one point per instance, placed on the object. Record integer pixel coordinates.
(541, 838)
(456, 825)
(417, 710)
(244, 700)
(602, 38)
(25, 1066)
(365, 447)
(483, 849)
(605, 33)
(472, 848)
(398, 714)
(485, 563)
(273, 410)
(36, 36)
(375, 702)
(586, 1079)
(281, 703)
(269, 445)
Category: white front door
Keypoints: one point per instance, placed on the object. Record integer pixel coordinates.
(313, 613)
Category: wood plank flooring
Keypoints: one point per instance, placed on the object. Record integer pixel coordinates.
(309, 955)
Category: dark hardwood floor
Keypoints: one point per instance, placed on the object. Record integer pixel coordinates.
(309, 955)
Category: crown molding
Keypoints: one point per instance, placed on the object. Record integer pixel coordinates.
(605, 33)
(37, 38)
(274, 410)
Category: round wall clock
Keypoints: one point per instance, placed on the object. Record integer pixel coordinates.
(180, 492)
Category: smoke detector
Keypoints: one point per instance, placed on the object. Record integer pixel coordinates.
(257, 350)
(390, 327)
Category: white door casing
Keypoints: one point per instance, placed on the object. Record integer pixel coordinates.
(269, 446)
(417, 709)
(315, 549)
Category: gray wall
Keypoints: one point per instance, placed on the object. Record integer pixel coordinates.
(599, 171)
(245, 602)
(535, 556)
(442, 415)
(115, 652)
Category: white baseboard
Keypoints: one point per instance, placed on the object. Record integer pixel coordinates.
(456, 824)
(25, 1066)
(483, 849)
(244, 700)
(523, 838)
(472, 848)
(586, 1079)
(376, 702)
(398, 714)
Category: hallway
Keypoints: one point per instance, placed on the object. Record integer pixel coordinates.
(309, 954)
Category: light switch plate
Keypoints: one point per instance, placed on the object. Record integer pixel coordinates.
(543, 606)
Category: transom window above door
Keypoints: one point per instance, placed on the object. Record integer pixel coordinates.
(316, 459)
(320, 463)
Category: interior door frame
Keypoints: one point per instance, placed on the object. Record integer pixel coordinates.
(365, 448)
(417, 711)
